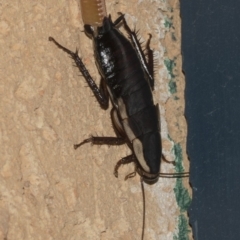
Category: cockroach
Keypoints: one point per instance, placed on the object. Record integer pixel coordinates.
(127, 79)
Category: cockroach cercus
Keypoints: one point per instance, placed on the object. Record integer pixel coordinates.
(127, 79)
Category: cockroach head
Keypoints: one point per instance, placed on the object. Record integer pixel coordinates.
(93, 31)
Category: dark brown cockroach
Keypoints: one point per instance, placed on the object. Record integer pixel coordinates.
(128, 81)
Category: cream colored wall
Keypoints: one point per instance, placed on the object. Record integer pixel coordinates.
(47, 189)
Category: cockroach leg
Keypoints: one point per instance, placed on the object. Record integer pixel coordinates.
(150, 62)
(168, 161)
(125, 160)
(148, 66)
(98, 93)
(102, 141)
(130, 175)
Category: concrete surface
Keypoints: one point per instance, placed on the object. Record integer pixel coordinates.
(48, 190)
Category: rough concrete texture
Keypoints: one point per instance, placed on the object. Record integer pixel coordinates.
(48, 190)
